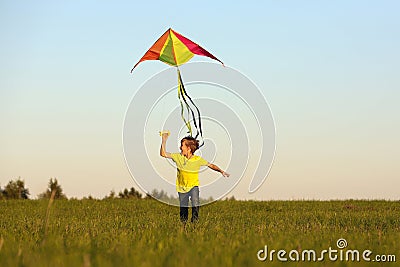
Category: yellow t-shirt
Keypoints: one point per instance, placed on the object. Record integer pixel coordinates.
(187, 171)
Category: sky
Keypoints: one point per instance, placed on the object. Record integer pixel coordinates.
(328, 70)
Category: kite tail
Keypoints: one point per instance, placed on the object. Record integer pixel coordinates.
(181, 97)
(182, 94)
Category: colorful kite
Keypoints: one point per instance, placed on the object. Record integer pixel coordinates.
(175, 50)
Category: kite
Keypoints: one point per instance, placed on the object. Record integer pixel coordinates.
(174, 49)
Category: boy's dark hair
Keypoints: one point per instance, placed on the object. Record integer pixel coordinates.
(192, 143)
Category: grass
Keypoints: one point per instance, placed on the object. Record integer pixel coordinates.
(230, 233)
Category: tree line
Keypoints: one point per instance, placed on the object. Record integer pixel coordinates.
(15, 189)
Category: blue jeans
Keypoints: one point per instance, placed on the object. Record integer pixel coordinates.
(193, 194)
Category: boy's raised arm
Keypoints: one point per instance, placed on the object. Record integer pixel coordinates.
(164, 153)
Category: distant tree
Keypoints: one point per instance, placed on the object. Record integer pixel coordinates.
(148, 196)
(135, 193)
(112, 195)
(160, 195)
(15, 190)
(132, 193)
(53, 186)
(1, 194)
(123, 194)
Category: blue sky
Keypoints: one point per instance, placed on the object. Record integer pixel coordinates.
(328, 69)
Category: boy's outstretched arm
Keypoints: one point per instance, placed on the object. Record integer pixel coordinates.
(164, 153)
(216, 168)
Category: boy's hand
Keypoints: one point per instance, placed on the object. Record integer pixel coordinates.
(225, 174)
(165, 136)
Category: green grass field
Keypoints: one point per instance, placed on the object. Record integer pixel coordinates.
(230, 233)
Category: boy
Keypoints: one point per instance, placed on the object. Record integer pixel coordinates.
(187, 181)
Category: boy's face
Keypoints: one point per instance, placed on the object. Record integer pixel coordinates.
(184, 148)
